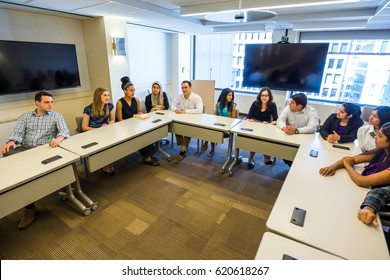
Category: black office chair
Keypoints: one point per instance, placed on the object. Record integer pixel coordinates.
(384, 215)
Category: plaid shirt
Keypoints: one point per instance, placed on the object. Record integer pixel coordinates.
(32, 130)
(377, 198)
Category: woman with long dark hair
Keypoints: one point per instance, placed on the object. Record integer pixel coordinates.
(225, 107)
(263, 110)
(365, 135)
(377, 173)
(342, 127)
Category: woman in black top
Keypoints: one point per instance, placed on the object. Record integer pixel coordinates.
(157, 100)
(126, 108)
(263, 110)
(342, 127)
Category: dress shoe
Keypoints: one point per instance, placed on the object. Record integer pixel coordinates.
(28, 218)
(179, 157)
(251, 165)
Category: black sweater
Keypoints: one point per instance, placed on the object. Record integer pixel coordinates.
(332, 123)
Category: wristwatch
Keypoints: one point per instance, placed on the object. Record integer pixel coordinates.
(296, 131)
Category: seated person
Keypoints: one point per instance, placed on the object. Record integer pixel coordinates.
(262, 110)
(377, 173)
(186, 103)
(157, 100)
(298, 117)
(374, 201)
(36, 128)
(342, 127)
(225, 107)
(126, 108)
(365, 135)
(97, 114)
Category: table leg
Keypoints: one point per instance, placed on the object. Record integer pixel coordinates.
(81, 194)
(229, 153)
(235, 161)
(168, 156)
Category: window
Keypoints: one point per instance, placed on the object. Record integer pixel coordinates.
(361, 73)
(356, 71)
(331, 63)
(339, 63)
(336, 79)
(328, 78)
(325, 92)
(344, 47)
(335, 47)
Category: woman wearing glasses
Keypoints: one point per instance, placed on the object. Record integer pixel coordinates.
(263, 110)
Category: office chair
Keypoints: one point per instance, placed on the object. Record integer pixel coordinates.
(79, 121)
(384, 215)
(366, 113)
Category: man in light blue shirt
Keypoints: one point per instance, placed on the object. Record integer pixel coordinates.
(186, 103)
(36, 128)
(298, 117)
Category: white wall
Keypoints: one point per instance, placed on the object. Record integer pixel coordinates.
(22, 26)
(28, 26)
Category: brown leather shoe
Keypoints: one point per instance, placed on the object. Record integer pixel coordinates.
(28, 218)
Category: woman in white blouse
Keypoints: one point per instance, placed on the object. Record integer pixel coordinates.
(379, 116)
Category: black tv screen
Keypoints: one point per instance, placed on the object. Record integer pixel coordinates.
(31, 66)
(295, 67)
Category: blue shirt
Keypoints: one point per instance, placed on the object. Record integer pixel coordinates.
(32, 130)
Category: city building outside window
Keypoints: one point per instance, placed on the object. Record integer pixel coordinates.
(356, 71)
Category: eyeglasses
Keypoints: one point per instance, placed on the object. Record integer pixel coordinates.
(264, 95)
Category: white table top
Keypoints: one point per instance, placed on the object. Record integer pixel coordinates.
(200, 120)
(272, 133)
(26, 166)
(110, 135)
(331, 203)
(273, 247)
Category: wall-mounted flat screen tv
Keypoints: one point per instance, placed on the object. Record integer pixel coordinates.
(295, 67)
(32, 67)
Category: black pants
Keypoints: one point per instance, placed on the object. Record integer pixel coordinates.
(148, 151)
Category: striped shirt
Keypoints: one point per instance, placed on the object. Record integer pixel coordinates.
(32, 130)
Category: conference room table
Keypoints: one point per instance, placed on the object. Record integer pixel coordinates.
(107, 144)
(270, 140)
(331, 204)
(205, 127)
(36, 173)
(277, 247)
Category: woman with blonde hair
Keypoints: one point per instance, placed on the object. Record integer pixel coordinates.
(97, 114)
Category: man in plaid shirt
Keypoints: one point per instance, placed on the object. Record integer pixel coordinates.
(35, 128)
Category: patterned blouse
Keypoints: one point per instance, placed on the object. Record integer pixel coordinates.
(98, 122)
